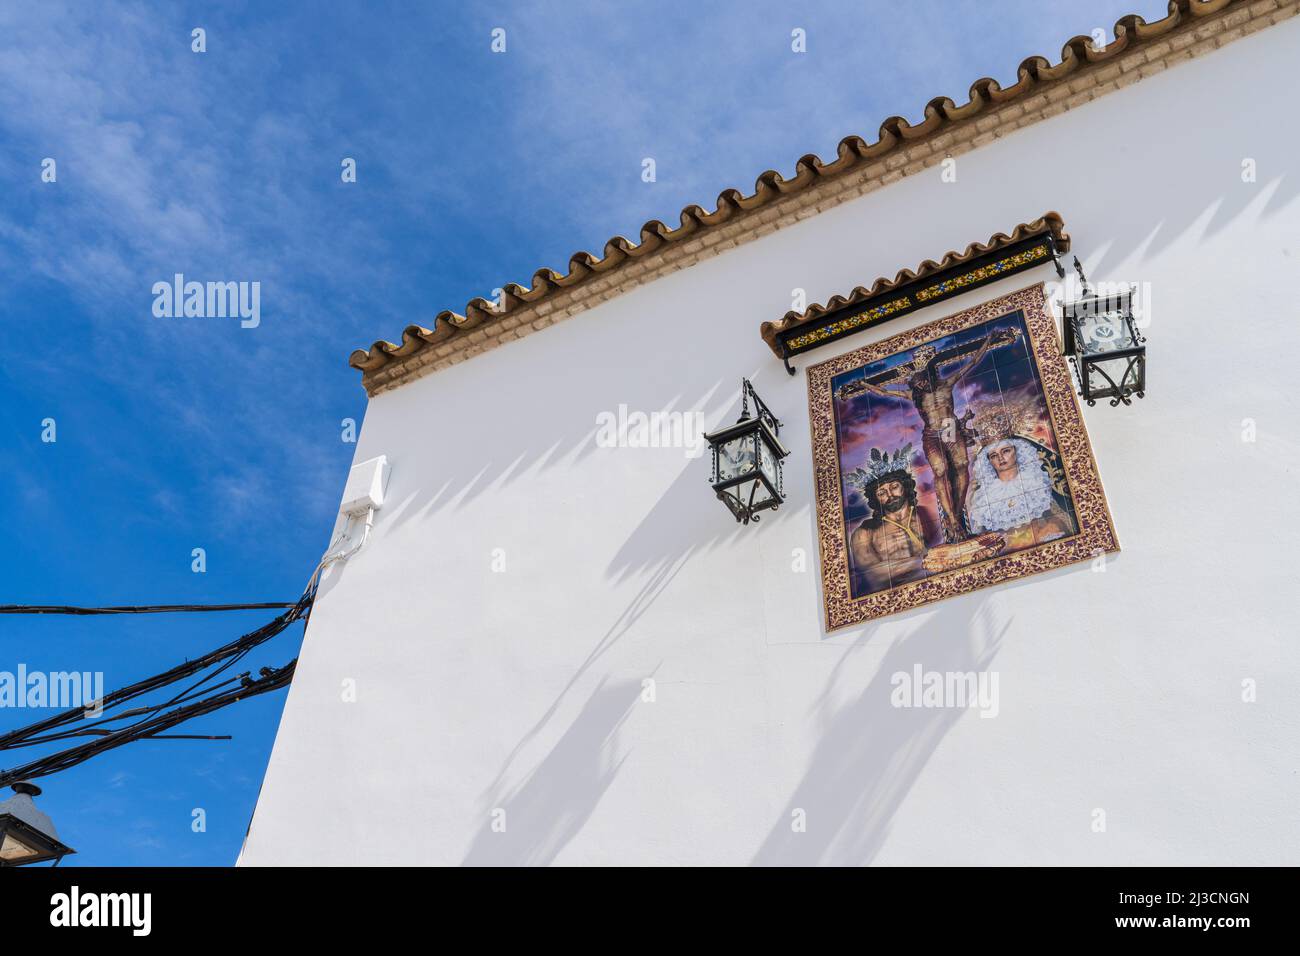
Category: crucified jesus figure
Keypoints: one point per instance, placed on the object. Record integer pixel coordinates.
(943, 438)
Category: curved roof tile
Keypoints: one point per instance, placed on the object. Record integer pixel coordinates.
(1034, 73)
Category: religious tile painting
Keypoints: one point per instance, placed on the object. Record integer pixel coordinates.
(950, 458)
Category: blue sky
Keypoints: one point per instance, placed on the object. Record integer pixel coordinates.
(473, 169)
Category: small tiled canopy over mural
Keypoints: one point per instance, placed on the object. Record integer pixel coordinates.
(1029, 244)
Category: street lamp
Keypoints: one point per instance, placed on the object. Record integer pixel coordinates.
(1108, 352)
(747, 460)
(26, 834)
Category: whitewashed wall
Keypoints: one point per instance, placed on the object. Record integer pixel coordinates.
(1121, 691)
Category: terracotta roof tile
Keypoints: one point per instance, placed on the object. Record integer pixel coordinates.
(1034, 75)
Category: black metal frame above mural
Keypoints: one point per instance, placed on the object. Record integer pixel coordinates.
(1029, 245)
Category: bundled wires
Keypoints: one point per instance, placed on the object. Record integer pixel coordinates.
(202, 696)
(113, 727)
(132, 608)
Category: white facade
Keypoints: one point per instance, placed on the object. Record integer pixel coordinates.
(480, 689)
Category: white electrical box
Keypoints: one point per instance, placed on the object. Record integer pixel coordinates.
(365, 488)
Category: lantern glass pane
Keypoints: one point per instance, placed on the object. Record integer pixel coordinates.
(14, 850)
(1114, 369)
(737, 498)
(1103, 332)
(736, 457)
(769, 464)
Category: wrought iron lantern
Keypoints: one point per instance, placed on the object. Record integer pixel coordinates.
(26, 834)
(747, 460)
(1107, 351)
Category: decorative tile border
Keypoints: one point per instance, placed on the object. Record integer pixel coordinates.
(850, 324)
(975, 276)
(1096, 535)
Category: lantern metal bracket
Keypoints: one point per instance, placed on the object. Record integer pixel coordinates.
(760, 407)
(1083, 279)
(1055, 253)
(785, 355)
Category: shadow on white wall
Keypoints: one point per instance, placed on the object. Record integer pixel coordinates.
(553, 803)
(870, 753)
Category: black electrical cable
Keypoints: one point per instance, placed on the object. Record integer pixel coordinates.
(135, 608)
(189, 703)
(92, 728)
(236, 649)
(272, 679)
